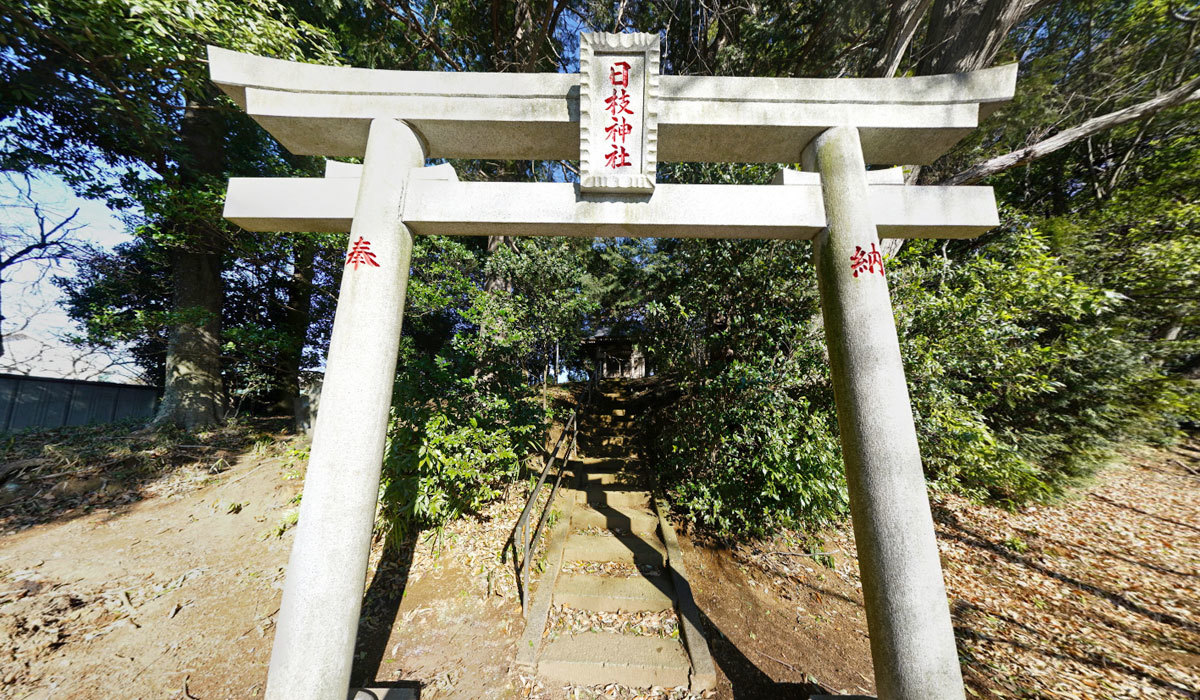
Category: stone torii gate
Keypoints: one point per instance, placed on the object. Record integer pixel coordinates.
(619, 117)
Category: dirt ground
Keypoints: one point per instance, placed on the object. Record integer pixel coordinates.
(1096, 597)
(170, 594)
(167, 587)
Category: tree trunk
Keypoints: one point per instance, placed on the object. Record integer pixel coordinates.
(296, 322)
(493, 282)
(903, 20)
(962, 35)
(966, 35)
(193, 392)
(194, 397)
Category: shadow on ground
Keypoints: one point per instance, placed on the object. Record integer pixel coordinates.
(746, 678)
(971, 619)
(380, 607)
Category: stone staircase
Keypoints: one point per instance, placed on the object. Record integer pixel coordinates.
(612, 551)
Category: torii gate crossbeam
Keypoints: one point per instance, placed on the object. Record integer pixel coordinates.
(619, 117)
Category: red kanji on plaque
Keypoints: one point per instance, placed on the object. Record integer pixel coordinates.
(619, 74)
(617, 129)
(863, 261)
(360, 254)
(618, 102)
(618, 158)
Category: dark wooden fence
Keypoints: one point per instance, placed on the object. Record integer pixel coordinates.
(41, 402)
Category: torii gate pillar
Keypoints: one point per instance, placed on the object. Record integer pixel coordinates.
(912, 641)
(327, 570)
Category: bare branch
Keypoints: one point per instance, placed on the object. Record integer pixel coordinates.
(49, 242)
(426, 40)
(1182, 15)
(903, 21)
(1188, 92)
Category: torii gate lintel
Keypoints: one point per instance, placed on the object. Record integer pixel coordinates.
(619, 118)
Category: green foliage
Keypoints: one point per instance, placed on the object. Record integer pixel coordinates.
(464, 413)
(121, 299)
(108, 80)
(750, 445)
(454, 442)
(1031, 353)
(438, 471)
(542, 302)
(1025, 376)
(1020, 384)
(745, 454)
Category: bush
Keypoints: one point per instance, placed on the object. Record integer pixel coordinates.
(437, 471)
(454, 442)
(744, 453)
(1024, 377)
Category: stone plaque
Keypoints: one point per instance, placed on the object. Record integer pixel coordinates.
(618, 112)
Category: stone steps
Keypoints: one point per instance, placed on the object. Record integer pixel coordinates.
(611, 594)
(613, 496)
(585, 467)
(635, 520)
(624, 549)
(605, 479)
(601, 494)
(598, 658)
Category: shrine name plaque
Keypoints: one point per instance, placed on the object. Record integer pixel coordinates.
(618, 112)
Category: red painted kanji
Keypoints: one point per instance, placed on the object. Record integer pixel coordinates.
(617, 158)
(863, 261)
(618, 103)
(360, 254)
(618, 129)
(619, 74)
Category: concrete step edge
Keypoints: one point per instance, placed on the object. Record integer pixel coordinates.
(704, 672)
(630, 518)
(595, 658)
(543, 595)
(609, 594)
(612, 497)
(629, 549)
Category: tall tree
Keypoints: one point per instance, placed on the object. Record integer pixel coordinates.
(967, 35)
(114, 97)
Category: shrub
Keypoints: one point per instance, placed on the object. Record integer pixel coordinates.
(744, 453)
(1024, 378)
(454, 442)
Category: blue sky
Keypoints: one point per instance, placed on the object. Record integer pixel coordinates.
(30, 299)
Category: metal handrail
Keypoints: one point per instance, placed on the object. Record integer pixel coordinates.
(528, 542)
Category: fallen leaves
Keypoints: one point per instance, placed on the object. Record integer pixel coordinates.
(1094, 597)
(616, 691)
(568, 620)
(610, 568)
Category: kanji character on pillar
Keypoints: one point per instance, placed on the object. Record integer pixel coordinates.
(617, 158)
(360, 254)
(618, 74)
(618, 103)
(864, 261)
